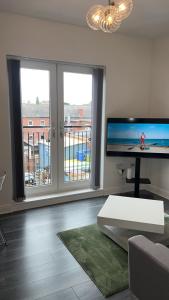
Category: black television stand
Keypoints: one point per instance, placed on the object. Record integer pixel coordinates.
(137, 180)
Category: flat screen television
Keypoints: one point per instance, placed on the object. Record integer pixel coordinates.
(137, 137)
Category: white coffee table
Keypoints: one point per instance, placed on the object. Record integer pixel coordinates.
(132, 214)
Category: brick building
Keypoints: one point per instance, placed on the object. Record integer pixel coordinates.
(36, 120)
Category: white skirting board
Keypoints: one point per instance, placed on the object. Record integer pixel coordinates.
(2, 179)
(159, 191)
(57, 199)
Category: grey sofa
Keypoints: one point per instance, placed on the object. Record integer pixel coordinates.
(148, 269)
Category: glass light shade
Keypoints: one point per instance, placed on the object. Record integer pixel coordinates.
(110, 20)
(94, 15)
(125, 8)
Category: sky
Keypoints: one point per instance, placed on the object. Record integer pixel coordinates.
(151, 131)
(77, 88)
(35, 83)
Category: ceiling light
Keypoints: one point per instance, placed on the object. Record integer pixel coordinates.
(110, 21)
(94, 16)
(125, 8)
(108, 18)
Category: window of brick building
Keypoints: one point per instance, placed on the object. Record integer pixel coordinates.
(30, 123)
(42, 123)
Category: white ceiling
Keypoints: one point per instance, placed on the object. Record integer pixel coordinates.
(149, 18)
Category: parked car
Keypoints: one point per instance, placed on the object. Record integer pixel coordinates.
(29, 178)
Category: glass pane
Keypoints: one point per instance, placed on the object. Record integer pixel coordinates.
(77, 126)
(35, 93)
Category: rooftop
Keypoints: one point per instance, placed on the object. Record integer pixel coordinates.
(41, 110)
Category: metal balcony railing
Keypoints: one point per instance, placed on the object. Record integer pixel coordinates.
(37, 154)
(77, 153)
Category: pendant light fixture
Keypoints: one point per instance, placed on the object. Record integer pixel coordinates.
(108, 18)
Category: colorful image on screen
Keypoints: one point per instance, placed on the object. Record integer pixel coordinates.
(137, 137)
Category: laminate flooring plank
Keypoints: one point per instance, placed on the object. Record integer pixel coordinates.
(26, 263)
(61, 295)
(87, 290)
(61, 263)
(44, 287)
(9, 253)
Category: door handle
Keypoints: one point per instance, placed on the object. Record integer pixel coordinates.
(61, 129)
(53, 132)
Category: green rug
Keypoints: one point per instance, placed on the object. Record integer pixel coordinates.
(103, 260)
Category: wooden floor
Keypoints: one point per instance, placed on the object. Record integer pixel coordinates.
(36, 265)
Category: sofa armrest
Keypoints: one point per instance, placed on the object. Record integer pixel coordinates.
(148, 269)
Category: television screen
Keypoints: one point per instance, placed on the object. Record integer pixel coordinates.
(138, 137)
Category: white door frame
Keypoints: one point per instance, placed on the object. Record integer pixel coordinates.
(57, 126)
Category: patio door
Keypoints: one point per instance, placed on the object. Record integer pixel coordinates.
(75, 95)
(39, 123)
(57, 126)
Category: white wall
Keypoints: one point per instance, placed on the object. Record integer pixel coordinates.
(128, 71)
(159, 107)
